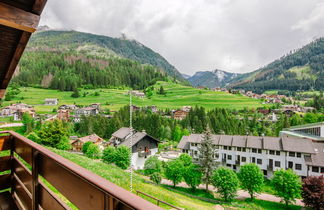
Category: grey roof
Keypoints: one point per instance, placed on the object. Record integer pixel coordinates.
(254, 142)
(297, 145)
(225, 140)
(272, 143)
(134, 138)
(197, 138)
(184, 143)
(317, 159)
(121, 133)
(239, 141)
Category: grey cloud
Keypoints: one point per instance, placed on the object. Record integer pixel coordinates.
(234, 35)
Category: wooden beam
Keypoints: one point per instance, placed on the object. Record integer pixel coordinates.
(39, 6)
(15, 59)
(19, 19)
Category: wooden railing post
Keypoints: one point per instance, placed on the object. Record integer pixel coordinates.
(12, 168)
(35, 188)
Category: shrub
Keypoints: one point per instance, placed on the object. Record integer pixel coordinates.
(85, 147)
(185, 159)
(313, 192)
(156, 177)
(122, 157)
(226, 182)
(152, 165)
(93, 151)
(109, 154)
(192, 176)
(251, 178)
(287, 185)
(174, 171)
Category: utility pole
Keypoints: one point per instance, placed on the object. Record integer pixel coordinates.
(131, 140)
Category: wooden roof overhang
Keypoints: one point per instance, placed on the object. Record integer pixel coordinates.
(18, 20)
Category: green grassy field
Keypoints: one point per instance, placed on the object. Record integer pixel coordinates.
(176, 96)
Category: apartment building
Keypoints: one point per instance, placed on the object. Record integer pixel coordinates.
(304, 156)
(313, 131)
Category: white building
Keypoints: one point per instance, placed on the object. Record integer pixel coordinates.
(314, 131)
(304, 156)
(143, 145)
(51, 101)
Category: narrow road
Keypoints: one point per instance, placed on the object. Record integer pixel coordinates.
(241, 194)
(11, 125)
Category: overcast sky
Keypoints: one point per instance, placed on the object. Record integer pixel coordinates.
(195, 35)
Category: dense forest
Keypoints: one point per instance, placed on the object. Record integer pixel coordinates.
(301, 69)
(70, 70)
(219, 120)
(103, 46)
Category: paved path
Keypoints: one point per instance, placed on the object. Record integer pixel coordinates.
(241, 194)
(11, 125)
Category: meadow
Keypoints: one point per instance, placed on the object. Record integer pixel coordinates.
(176, 96)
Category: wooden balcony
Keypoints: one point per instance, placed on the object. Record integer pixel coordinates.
(144, 154)
(30, 172)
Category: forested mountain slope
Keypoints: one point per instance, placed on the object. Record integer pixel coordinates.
(302, 69)
(67, 59)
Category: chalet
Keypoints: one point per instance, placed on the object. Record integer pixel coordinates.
(12, 109)
(180, 114)
(87, 111)
(95, 105)
(68, 107)
(94, 138)
(20, 112)
(201, 87)
(51, 101)
(143, 145)
(186, 108)
(63, 114)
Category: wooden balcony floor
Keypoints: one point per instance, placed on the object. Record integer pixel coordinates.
(6, 201)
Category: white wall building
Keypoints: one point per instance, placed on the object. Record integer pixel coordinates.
(304, 156)
(314, 131)
(143, 145)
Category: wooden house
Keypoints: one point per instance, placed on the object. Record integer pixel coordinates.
(94, 138)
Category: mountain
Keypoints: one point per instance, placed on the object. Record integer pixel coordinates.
(102, 46)
(211, 79)
(66, 60)
(301, 69)
(186, 76)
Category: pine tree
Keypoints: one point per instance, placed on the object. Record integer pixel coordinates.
(161, 91)
(206, 159)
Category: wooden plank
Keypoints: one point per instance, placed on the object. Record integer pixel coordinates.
(15, 59)
(48, 200)
(4, 143)
(23, 174)
(6, 201)
(4, 181)
(5, 163)
(19, 19)
(22, 195)
(23, 150)
(69, 184)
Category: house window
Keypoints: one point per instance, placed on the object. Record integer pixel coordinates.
(322, 170)
(243, 149)
(196, 152)
(272, 152)
(278, 153)
(259, 161)
(290, 164)
(259, 151)
(298, 166)
(253, 160)
(277, 163)
(244, 159)
(298, 154)
(216, 155)
(229, 148)
(225, 147)
(229, 157)
(254, 150)
(291, 154)
(229, 165)
(239, 149)
(315, 169)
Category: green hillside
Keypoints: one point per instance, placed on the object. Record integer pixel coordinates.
(302, 69)
(102, 46)
(177, 95)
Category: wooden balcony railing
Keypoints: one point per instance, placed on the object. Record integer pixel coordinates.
(29, 163)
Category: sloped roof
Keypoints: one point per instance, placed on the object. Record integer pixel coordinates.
(184, 143)
(297, 145)
(317, 159)
(254, 142)
(272, 143)
(239, 141)
(121, 133)
(92, 138)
